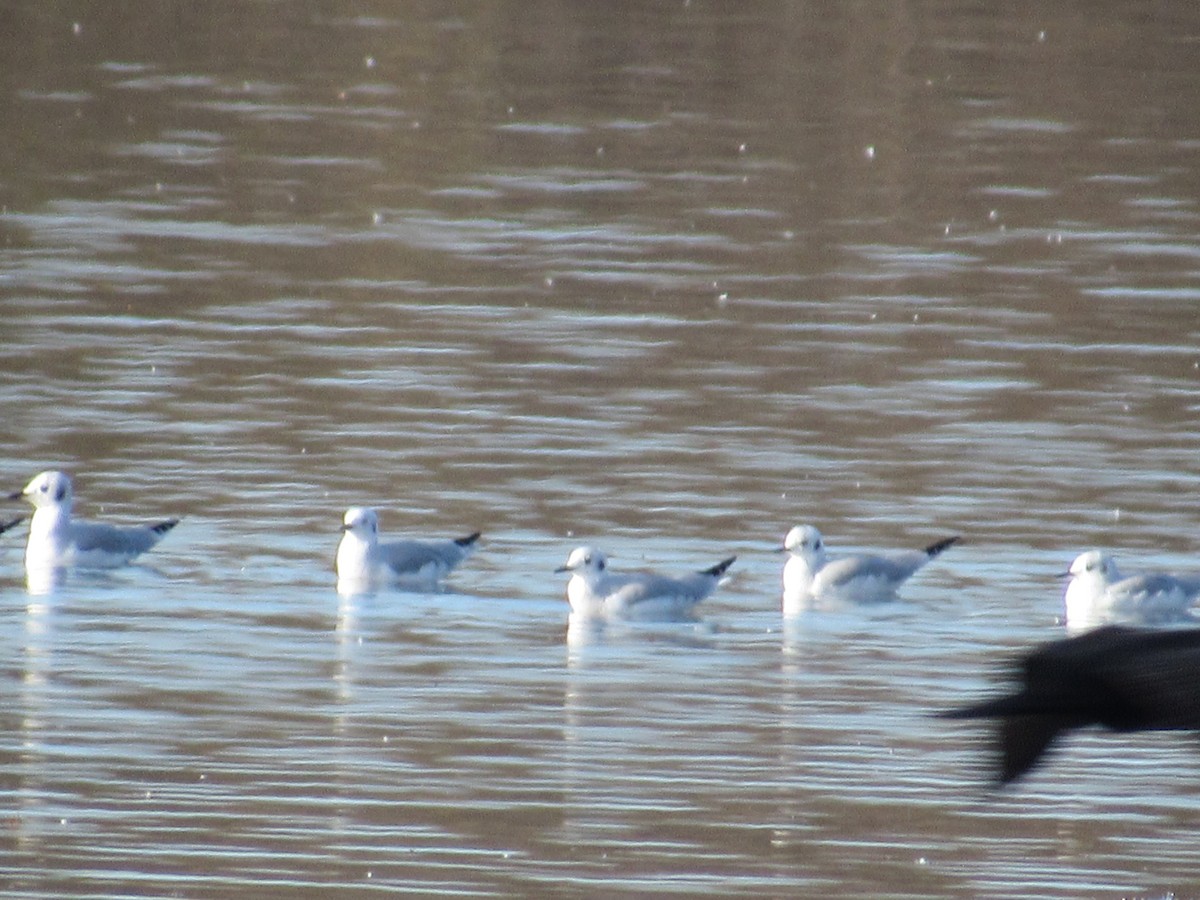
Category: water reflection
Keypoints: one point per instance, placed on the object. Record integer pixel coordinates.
(348, 639)
(586, 631)
(38, 653)
(43, 580)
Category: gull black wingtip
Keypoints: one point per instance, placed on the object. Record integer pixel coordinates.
(720, 568)
(15, 495)
(469, 540)
(12, 523)
(163, 527)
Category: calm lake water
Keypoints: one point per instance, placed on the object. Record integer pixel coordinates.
(667, 278)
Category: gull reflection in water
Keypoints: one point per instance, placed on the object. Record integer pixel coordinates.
(37, 658)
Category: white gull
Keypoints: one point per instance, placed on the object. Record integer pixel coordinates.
(595, 592)
(811, 576)
(1097, 593)
(56, 540)
(362, 561)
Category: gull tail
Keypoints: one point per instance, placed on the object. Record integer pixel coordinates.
(469, 540)
(934, 549)
(719, 569)
(163, 527)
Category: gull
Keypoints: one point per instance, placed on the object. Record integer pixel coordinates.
(1098, 593)
(1126, 679)
(362, 559)
(56, 540)
(594, 591)
(810, 575)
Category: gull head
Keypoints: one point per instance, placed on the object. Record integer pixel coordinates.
(47, 490)
(1094, 564)
(804, 541)
(587, 562)
(362, 522)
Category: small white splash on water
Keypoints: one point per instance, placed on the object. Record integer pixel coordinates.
(869, 151)
(1116, 514)
(376, 218)
(369, 62)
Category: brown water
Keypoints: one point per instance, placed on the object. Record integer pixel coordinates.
(668, 278)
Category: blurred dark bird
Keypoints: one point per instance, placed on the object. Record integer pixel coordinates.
(1126, 679)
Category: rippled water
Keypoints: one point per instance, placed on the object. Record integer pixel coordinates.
(668, 279)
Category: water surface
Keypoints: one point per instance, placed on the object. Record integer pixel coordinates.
(666, 279)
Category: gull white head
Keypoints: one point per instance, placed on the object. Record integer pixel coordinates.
(1094, 566)
(48, 490)
(362, 522)
(587, 563)
(805, 542)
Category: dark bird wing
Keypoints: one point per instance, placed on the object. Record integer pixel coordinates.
(1126, 679)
